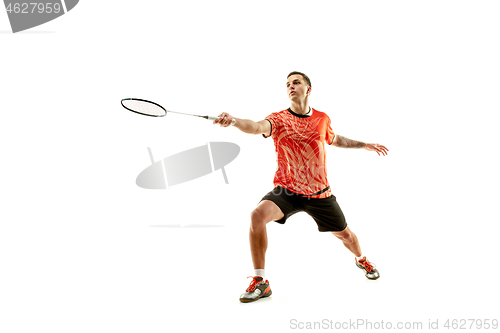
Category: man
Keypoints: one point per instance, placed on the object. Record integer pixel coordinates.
(299, 134)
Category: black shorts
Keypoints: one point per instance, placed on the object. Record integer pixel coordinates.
(325, 211)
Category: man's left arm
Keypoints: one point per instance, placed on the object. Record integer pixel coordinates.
(343, 142)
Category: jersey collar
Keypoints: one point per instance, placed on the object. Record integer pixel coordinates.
(307, 115)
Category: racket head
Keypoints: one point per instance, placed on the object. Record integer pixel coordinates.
(144, 107)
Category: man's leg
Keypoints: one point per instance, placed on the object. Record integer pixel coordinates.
(349, 239)
(265, 212)
(351, 242)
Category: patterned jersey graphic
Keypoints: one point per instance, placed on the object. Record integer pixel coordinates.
(300, 150)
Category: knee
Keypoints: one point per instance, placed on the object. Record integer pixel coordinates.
(257, 219)
(345, 236)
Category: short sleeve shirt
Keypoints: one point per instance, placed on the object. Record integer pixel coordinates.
(299, 141)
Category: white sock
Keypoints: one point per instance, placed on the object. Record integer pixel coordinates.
(261, 272)
(359, 258)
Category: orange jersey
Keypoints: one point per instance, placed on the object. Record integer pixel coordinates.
(300, 149)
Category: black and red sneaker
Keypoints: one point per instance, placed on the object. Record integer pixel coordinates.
(369, 268)
(258, 288)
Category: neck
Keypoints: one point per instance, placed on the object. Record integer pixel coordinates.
(301, 108)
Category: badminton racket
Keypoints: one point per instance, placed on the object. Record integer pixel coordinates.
(152, 109)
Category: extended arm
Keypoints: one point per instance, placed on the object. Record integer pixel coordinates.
(343, 142)
(245, 125)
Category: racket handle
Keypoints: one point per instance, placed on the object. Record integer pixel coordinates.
(216, 118)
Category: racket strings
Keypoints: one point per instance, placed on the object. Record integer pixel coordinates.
(144, 107)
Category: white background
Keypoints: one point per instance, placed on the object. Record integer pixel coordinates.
(83, 249)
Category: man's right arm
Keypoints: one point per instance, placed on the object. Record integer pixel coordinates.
(245, 125)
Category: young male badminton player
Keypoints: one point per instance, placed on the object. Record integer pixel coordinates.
(299, 134)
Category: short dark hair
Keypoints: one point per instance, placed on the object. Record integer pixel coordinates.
(306, 78)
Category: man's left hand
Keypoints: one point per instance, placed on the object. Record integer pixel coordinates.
(377, 148)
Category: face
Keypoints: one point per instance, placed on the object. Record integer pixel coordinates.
(297, 88)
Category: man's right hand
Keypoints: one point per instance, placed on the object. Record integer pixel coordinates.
(225, 119)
